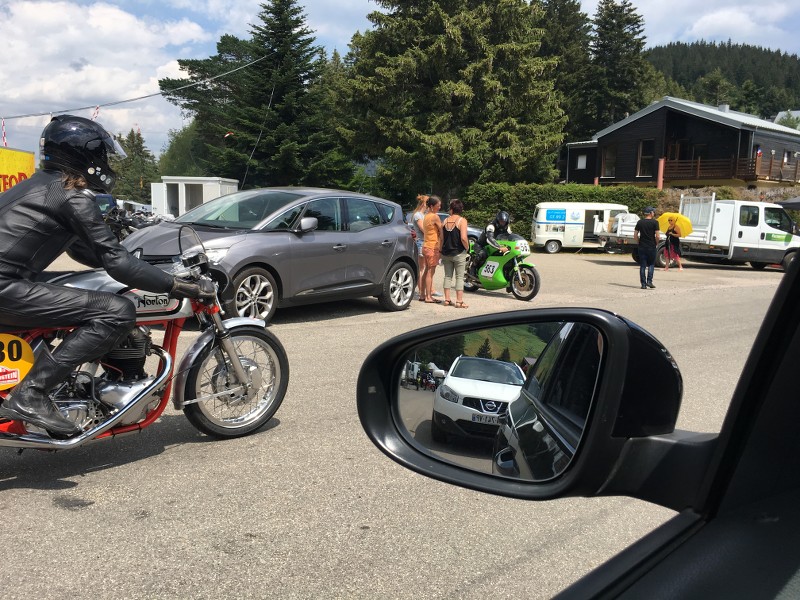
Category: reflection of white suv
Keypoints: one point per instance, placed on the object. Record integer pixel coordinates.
(474, 394)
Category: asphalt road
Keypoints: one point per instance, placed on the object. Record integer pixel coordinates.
(308, 508)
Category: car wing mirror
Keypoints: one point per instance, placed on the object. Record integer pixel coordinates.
(535, 404)
(308, 224)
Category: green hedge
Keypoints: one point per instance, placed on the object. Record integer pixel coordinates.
(482, 201)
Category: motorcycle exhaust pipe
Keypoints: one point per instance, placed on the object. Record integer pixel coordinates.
(44, 442)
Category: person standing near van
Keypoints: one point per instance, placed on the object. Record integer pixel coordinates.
(455, 244)
(647, 235)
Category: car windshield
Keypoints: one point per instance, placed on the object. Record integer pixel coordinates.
(483, 369)
(240, 210)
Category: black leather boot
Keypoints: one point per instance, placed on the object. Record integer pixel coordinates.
(30, 401)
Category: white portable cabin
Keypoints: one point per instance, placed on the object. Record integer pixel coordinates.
(573, 224)
(176, 195)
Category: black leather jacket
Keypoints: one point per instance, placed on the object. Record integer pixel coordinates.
(39, 220)
(492, 230)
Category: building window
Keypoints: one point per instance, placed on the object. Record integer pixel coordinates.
(787, 156)
(580, 163)
(609, 161)
(647, 152)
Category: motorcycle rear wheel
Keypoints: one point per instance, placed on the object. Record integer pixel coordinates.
(239, 412)
(525, 284)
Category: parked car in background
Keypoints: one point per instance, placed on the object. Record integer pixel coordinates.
(474, 394)
(284, 246)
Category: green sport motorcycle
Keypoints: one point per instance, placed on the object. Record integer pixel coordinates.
(511, 270)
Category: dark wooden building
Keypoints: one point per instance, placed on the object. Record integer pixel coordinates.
(675, 142)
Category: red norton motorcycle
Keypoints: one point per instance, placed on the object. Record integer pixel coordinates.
(229, 382)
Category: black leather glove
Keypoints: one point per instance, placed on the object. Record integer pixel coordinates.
(204, 290)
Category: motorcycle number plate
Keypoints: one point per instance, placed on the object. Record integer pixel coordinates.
(16, 359)
(489, 269)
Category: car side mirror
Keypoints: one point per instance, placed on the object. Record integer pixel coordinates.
(535, 404)
(308, 224)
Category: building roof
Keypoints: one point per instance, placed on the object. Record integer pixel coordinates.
(719, 114)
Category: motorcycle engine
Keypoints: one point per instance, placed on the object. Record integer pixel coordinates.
(126, 361)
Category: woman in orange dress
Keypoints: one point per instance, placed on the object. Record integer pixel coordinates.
(431, 247)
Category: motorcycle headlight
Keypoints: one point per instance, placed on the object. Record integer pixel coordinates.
(215, 255)
(448, 394)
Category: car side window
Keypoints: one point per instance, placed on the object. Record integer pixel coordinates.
(564, 383)
(362, 214)
(284, 221)
(328, 213)
(777, 218)
(748, 216)
(387, 211)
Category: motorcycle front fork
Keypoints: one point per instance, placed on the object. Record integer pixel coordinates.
(226, 344)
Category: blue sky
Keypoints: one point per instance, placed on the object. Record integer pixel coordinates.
(67, 54)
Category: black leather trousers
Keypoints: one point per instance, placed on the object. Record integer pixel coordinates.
(101, 318)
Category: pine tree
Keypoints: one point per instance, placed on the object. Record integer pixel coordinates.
(262, 124)
(449, 93)
(184, 154)
(566, 31)
(137, 171)
(618, 64)
(485, 350)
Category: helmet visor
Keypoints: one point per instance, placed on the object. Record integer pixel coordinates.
(105, 147)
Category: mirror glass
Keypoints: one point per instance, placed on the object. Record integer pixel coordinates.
(511, 401)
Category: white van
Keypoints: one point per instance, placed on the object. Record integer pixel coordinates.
(573, 224)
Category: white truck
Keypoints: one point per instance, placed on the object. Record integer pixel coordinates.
(726, 231)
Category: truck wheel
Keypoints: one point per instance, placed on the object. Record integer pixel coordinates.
(758, 266)
(635, 255)
(661, 258)
(552, 246)
(787, 260)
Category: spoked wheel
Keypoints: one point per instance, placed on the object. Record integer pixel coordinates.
(224, 407)
(525, 283)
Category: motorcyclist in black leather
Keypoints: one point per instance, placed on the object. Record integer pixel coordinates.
(41, 217)
(500, 225)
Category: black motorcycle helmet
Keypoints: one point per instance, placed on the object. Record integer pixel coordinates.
(502, 218)
(80, 147)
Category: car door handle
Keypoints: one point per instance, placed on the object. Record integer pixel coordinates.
(740, 235)
(340, 247)
(386, 243)
(762, 236)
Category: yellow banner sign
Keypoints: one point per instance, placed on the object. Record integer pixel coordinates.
(15, 166)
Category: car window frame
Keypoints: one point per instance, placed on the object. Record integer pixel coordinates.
(341, 213)
(561, 422)
(347, 218)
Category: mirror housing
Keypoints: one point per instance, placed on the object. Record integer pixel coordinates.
(638, 396)
(308, 224)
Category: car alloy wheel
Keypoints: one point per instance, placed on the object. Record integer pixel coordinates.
(254, 295)
(398, 288)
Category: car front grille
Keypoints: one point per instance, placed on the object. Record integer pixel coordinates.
(489, 407)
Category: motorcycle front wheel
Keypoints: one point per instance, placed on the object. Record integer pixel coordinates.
(525, 283)
(220, 405)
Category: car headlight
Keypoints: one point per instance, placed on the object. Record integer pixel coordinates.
(215, 255)
(448, 394)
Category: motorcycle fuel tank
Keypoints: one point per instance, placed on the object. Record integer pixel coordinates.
(149, 305)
